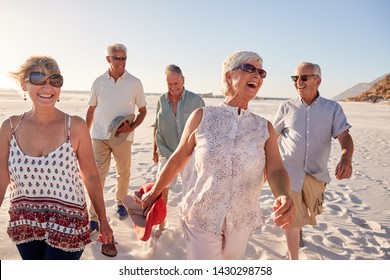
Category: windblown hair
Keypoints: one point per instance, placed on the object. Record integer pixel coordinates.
(46, 64)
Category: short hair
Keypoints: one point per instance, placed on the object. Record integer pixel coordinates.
(232, 61)
(115, 47)
(46, 63)
(315, 67)
(172, 68)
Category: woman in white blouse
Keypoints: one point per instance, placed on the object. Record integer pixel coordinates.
(233, 150)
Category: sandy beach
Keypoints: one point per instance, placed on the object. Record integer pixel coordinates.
(355, 224)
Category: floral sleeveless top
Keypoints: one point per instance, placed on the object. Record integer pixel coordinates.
(225, 183)
(47, 197)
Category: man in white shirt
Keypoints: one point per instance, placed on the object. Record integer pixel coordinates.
(115, 93)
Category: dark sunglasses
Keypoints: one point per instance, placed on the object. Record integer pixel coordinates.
(39, 78)
(119, 57)
(251, 69)
(304, 78)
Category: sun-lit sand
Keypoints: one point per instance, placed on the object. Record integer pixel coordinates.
(355, 224)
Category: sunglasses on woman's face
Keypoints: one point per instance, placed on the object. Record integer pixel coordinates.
(304, 78)
(39, 78)
(251, 69)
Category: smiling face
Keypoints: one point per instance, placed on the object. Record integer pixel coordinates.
(44, 95)
(244, 84)
(175, 83)
(117, 61)
(307, 89)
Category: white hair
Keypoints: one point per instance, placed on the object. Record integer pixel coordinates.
(235, 59)
(115, 47)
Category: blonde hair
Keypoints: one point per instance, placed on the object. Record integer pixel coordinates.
(46, 63)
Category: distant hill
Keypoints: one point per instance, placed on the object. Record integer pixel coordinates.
(380, 91)
(357, 89)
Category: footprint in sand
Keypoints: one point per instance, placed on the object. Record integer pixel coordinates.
(334, 207)
(360, 222)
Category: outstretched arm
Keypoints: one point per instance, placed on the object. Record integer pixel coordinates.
(178, 159)
(279, 181)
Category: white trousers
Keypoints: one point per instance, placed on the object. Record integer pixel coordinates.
(203, 245)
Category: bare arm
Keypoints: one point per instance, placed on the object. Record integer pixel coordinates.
(5, 136)
(155, 153)
(140, 117)
(138, 120)
(89, 117)
(81, 142)
(344, 167)
(279, 181)
(178, 159)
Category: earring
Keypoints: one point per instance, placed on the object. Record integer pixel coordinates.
(24, 97)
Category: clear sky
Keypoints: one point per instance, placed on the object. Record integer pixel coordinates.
(349, 39)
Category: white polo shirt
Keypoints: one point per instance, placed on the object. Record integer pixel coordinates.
(114, 99)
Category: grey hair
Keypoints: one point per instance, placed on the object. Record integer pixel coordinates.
(115, 47)
(172, 68)
(45, 63)
(315, 67)
(232, 61)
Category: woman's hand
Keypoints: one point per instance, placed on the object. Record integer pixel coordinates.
(147, 200)
(106, 233)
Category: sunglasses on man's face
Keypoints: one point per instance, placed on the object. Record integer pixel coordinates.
(39, 78)
(123, 58)
(304, 78)
(251, 69)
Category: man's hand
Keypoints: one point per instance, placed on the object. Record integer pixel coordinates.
(284, 211)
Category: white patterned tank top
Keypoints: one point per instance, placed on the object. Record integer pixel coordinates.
(225, 183)
(47, 197)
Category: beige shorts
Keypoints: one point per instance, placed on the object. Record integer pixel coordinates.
(308, 203)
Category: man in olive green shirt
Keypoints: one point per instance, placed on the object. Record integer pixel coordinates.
(172, 112)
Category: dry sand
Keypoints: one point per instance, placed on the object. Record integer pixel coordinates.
(355, 224)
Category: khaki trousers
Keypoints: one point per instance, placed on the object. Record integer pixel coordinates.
(122, 155)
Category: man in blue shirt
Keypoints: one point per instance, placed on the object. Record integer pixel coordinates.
(172, 112)
(306, 126)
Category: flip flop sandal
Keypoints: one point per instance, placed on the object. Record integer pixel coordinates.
(109, 249)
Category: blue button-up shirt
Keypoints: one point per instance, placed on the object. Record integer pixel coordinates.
(306, 133)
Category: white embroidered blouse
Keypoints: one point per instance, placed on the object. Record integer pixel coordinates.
(228, 172)
(47, 197)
